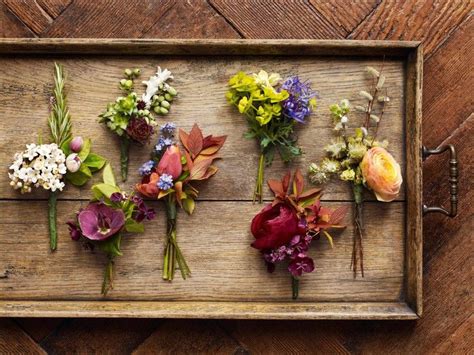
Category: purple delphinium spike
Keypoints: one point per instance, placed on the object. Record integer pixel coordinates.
(297, 106)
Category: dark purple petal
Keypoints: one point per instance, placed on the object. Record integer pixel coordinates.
(116, 197)
(74, 230)
(300, 265)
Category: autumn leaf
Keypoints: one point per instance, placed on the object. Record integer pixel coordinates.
(199, 169)
(183, 137)
(210, 141)
(276, 186)
(195, 141)
(309, 193)
(298, 183)
(286, 181)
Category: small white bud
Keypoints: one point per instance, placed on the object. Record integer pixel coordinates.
(344, 120)
(365, 95)
(375, 118)
(73, 162)
(364, 131)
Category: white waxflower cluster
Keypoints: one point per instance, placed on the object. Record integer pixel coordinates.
(39, 166)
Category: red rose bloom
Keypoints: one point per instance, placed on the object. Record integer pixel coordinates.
(275, 226)
(139, 130)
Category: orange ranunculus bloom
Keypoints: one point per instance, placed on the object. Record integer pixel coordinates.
(382, 173)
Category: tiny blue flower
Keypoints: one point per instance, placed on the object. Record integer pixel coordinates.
(163, 143)
(168, 129)
(298, 105)
(165, 182)
(146, 168)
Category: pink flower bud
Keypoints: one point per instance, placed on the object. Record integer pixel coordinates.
(73, 162)
(76, 144)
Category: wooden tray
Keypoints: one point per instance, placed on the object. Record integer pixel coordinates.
(229, 279)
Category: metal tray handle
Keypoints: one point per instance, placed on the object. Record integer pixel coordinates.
(453, 179)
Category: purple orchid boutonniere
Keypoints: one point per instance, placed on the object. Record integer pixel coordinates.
(107, 218)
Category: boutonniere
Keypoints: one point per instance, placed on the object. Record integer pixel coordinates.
(284, 229)
(273, 107)
(49, 165)
(132, 117)
(360, 159)
(111, 215)
(168, 176)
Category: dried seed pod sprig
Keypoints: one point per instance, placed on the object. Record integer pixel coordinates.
(359, 158)
(272, 107)
(168, 176)
(48, 165)
(133, 117)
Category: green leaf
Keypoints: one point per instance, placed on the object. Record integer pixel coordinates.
(108, 175)
(80, 177)
(188, 205)
(65, 147)
(101, 190)
(86, 149)
(111, 246)
(133, 226)
(94, 162)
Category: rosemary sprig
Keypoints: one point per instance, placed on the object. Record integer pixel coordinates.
(59, 120)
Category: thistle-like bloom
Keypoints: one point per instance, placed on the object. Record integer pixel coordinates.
(99, 221)
(301, 101)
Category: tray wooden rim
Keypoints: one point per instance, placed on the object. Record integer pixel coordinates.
(411, 308)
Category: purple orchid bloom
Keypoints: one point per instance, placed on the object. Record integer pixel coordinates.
(301, 264)
(99, 221)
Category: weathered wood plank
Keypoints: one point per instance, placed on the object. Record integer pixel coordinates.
(265, 19)
(189, 337)
(92, 82)
(345, 18)
(429, 21)
(89, 19)
(30, 13)
(209, 310)
(447, 74)
(54, 8)
(88, 337)
(185, 20)
(11, 26)
(15, 341)
(217, 249)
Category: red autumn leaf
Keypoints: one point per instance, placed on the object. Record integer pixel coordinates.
(210, 140)
(338, 215)
(189, 161)
(276, 187)
(309, 193)
(195, 141)
(183, 137)
(298, 183)
(201, 157)
(199, 169)
(210, 171)
(210, 150)
(286, 181)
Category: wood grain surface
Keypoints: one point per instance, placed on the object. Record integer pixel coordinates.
(445, 27)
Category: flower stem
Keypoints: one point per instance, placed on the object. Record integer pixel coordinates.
(295, 284)
(124, 150)
(108, 283)
(357, 248)
(258, 192)
(173, 253)
(53, 233)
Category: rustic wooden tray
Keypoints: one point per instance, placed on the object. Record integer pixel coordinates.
(229, 279)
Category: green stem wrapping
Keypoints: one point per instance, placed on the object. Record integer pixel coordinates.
(258, 192)
(108, 283)
(357, 248)
(53, 234)
(173, 253)
(124, 150)
(295, 284)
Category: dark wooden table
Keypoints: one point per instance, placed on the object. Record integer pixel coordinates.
(447, 31)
